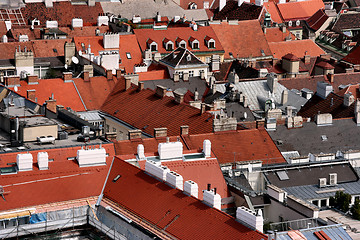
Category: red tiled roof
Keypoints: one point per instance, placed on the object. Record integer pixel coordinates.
(248, 145)
(189, 217)
(325, 65)
(64, 92)
(15, 32)
(153, 75)
(177, 34)
(317, 20)
(299, 10)
(300, 48)
(246, 11)
(146, 111)
(63, 12)
(127, 44)
(40, 48)
(274, 11)
(3, 29)
(95, 91)
(63, 181)
(236, 39)
(354, 56)
(291, 57)
(277, 35)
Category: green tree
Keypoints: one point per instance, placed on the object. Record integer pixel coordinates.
(341, 201)
(355, 209)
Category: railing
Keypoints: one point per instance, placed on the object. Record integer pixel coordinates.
(294, 225)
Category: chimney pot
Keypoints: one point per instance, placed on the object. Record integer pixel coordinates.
(208, 186)
(109, 74)
(184, 130)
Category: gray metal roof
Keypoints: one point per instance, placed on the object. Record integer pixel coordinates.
(310, 192)
(257, 90)
(148, 9)
(335, 232)
(90, 116)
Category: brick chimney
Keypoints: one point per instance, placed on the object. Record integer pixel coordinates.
(331, 77)
(160, 91)
(184, 130)
(51, 104)
(141, 86)
(160, 132)
(307, 59)
(31, 94)
(86, 76)
(109, 74)
(127, 83)
(134, 134)
(202, 108)
(12, 81)
(118, 73)
(32, 79)
(179, 98)
(67, 76)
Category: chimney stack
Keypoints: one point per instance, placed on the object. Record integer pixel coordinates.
(141, 86)
(134, 134)
(141, 152)
(191, 188)
(284, 97)
(184, 130)
(207, 148)
(109, 74)
(160, 132)
(67, 76)
(118, 73)
(331, 77)
(160, 91)
(202, 108)
(348, 99)
(32, 79)
(179, 97)
(127, 83)
(86, 76)
(307, 59)
(31, 94)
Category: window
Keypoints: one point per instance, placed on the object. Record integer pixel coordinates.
(323, 203)
(315, 202)
(114, 130)
(180, 75)
(207, 59)
(211, 44)
(183, 45)
(153, 48)
(195, 45)
(128, 55)
(191, 73)
(169, 47)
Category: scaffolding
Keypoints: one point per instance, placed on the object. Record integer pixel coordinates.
(294, 225)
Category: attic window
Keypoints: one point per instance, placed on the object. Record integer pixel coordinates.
(169, 46)
(183, 45)
(282, 175)
(116, 178)
(210, 42)
(128, 55)
(55, 50)
(195, 45)
(7, 170)
(324, 138)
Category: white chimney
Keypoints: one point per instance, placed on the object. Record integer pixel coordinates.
(170, 150)
(77, 22)
(207, 148)
(111, 40)
(157, 170)
(141, 151)
(323, 89)
(259, 2)
(250, 218)
(191, 188)
(24, 161)
(52, 24)
(158, 17)
(195, 27)
(357, 107)
(102, 20)
(91, 157)
(212, 198)
(272, 82)
(4, 39)
(222, 4)
(240, 2)
(323, 119)
(348, 99)
(43, 160)
(175, 180)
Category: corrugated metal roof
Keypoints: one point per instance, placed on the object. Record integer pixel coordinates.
(90, 116)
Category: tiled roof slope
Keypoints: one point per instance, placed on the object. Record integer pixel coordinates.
(347, 21)
(63, 12)
(63, 181)
(248, 145)
(95, 91)
(274, 11)
(40, 48)
(317, 20)
(277, 35)
(236, 39)
(299, 10)
(354, 56)
(193, 219)
(300, 48)
(333, 104)
(246, 11)
(143, 35)
(181, 57)
(64, 92)
(127, 44)
(146, 111)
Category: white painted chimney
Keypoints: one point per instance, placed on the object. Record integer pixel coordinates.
(323, 119)
(212, 198)
(259, 2)
(141, 152)
(191, 188)
(4, 39)
(111, 40)
(77, 22)
(102, 20)
(175, 180)
(91, 157)
(323, 89)
(24, 161)
(207, 148)
(52, 24)
(170, 150)
(156, 169)
(250, 218)
(43, 160)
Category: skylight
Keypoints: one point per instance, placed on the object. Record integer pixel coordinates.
(128, 55)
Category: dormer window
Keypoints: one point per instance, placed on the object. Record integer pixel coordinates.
(194, 43)
(168, 44)
(192, 5)
(181, 42)
(210, 42)
(152, 45)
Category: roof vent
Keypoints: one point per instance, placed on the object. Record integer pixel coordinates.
(322, 182)
(43, 160)
(91, 157)
(333, 179)
(24, 161)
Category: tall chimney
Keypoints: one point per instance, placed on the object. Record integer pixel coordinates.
(141, 86)
(127, 83)
(284, 97)
(184, 130)
(160, 132)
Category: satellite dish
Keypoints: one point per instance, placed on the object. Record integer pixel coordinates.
(298, 23)
(290, 23)
(75, 60)
(15, 88)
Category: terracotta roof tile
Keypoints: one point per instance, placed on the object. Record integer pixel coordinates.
(146, 111)
(354, 56)
(64, 92)
(274, 11)
(234, 40)
(299, 10)
(63, 12)
(277, 35)
(300, 48)
(346, 21)
(52, 188)
(291, 57)
(176, 34)
(194, 219)
(248, 145)
(317, 20)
